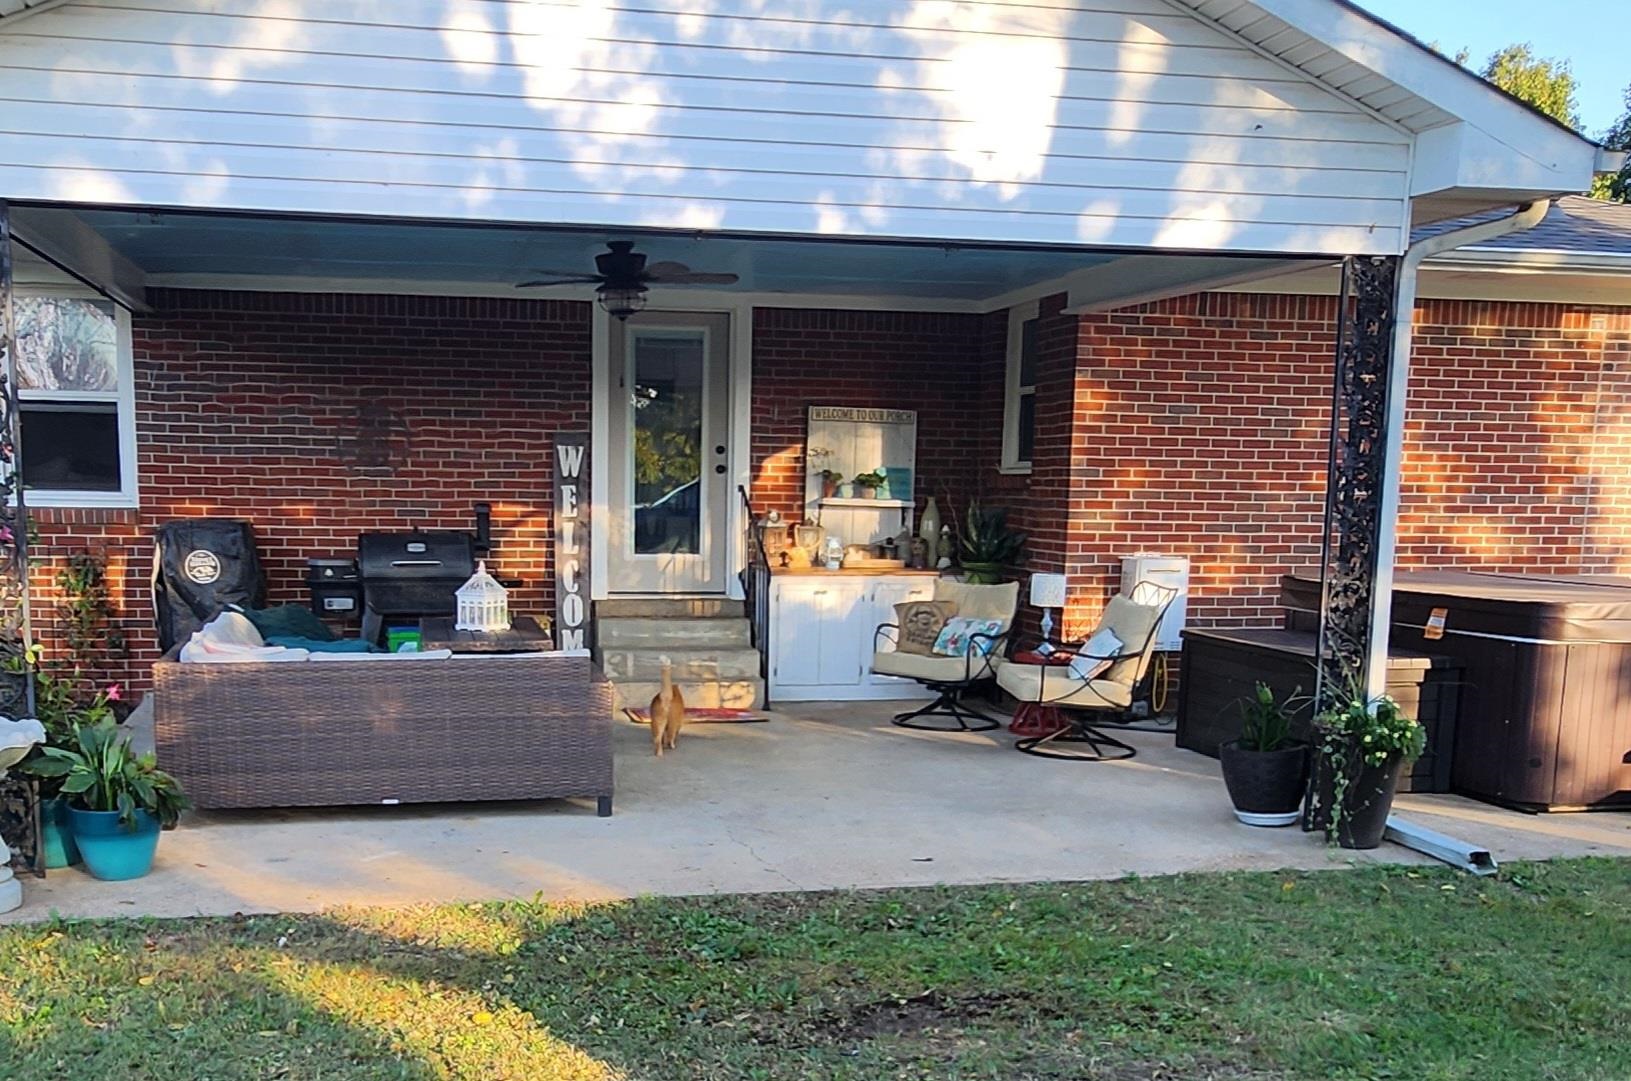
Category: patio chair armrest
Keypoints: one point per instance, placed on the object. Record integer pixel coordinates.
(985, 656)
(1042, 698)
(879, 635)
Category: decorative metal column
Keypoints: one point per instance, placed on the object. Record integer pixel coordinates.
(19, 807)
(1356, 473)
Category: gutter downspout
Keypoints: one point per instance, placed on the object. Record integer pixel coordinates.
(1528, 216)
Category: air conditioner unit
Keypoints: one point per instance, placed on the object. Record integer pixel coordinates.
(1163, 570)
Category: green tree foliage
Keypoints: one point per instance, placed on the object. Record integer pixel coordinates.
(1545, 83)
(1617, 137)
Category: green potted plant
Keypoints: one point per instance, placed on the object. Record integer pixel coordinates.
(118, 800)
(830, 480)
(1361, 749)
(989, 549)
(1265, 770)
(867, 485)
(59, 708)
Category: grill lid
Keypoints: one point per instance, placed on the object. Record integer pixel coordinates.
(410, 556)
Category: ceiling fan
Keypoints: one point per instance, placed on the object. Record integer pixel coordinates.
(622, 278)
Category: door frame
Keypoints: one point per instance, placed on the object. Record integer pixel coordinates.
(739, 407)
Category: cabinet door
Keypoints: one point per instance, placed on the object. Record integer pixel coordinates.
(844, 629)
(886, 593)
(795, 656)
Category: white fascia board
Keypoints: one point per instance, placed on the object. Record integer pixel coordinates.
(1547, 158)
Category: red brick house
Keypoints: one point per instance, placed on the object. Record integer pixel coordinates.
(309, 262)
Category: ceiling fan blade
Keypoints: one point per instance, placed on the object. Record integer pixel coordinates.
(578, 280)
(666, 269)
(693, 277)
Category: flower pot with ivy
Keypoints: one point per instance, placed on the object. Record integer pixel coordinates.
(118, 800)
(1265, 770)
(1362, 748)
(867, 485)
(989, 550)
(830, 480)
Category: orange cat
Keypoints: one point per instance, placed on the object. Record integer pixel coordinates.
(667, 712)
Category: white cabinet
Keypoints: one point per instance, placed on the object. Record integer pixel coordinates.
(821, 631)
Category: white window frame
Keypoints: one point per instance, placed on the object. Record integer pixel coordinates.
(124, 399)
(1013, 390)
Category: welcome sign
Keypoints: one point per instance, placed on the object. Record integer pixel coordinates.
(571, 540)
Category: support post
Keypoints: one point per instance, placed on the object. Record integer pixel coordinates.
(1356, 554)
(19, 807)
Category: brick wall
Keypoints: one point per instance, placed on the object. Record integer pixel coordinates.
(1202, 425)
(929, 362)
(318, 416)
(116, 537)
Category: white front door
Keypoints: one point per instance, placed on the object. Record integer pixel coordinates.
(668, 433)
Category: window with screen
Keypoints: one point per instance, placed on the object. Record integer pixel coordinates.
(1019, 413)
(74, 401)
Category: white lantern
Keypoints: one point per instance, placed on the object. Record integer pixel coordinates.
(483, 604)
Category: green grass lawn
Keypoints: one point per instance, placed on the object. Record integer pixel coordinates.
(1376, 973)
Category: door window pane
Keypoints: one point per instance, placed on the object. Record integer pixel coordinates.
(1028, 346)
(66, 344)
(70, 446)
(1027, 427)
(666, 406)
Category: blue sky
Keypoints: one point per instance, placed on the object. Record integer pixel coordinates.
(1593, 35)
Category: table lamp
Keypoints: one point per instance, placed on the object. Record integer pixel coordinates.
(1047, 593)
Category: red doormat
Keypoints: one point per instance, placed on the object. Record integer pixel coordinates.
(642, 715)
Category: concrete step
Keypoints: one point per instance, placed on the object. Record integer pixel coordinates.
(690, 665)
(707, 694)
(674, 634)
(669, 608)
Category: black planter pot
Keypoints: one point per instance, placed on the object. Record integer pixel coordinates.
(1366, 803)
(1266, 787)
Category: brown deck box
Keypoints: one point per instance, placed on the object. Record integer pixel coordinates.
(1221, 669)
(1545, 720)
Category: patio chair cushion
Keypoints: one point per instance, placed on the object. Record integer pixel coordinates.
(920, 623)
(980, 601)
(1027, 683)
(932, 669)
(1133, 624)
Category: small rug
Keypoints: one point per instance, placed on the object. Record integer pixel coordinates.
(642, 715)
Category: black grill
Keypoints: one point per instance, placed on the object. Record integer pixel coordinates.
(407, 576)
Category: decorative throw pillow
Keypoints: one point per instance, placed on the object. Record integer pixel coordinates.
(957, 637)
(920, 623)
(1097, 654)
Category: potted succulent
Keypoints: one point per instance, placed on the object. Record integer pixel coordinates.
(1361, 749)
(1265, 770)
(988, 548)
(118, 800)
(830, 480)
(867, 485)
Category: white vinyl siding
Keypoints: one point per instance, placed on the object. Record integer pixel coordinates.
(1115, 122)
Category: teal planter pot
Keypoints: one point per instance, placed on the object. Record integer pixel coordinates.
(113, 852)
(56, 835)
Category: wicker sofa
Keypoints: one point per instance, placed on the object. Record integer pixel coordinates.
(359, 731)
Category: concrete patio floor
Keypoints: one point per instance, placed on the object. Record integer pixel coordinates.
(822, 796)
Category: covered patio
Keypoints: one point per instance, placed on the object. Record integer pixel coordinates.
(823, 796)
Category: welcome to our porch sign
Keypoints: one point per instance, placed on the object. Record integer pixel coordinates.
(571, 540)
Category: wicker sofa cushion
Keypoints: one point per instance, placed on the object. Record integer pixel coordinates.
(229, 638)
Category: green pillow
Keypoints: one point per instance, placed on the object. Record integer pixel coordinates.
(318, 645)
(288, 620)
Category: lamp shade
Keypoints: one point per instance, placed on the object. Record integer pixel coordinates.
(1047, 591)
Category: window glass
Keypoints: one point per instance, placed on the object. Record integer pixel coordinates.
(70, 446)
(667, 406)
(66, 344)
(1027, 426)
(1027, 353)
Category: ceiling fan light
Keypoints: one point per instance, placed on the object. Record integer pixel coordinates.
(621, 303)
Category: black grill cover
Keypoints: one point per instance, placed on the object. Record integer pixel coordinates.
(201, 565)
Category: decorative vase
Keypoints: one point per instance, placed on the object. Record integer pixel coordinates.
(112, 851)
(1366, 803)
(56, 835)
(1265, 787)
(929, 530)
(982, 574)
(829, 488)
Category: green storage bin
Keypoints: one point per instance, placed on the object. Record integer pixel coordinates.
(397, 637)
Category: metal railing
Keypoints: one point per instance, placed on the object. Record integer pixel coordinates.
(756, 582)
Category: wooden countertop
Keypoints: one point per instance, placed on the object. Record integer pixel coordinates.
(848, 572)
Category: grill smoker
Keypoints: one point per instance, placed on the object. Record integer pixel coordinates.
(407, 576)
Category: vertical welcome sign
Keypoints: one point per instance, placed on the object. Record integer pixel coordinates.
(571, 540)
